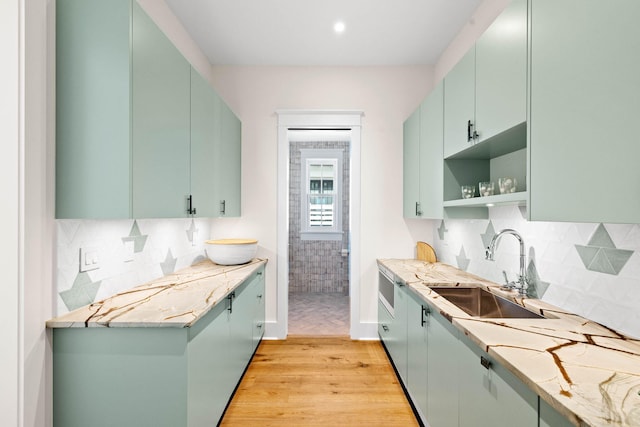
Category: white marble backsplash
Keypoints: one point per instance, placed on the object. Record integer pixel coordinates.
(130, 252)
(589, 269)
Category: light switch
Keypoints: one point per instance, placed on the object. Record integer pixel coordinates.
(89, 259)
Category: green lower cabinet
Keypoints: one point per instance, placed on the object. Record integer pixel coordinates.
(449, 379)
(258, 310)
(490, 395)
(160, 377)
(549, 417)
(397, 344)
(417, 349)
(443, 371)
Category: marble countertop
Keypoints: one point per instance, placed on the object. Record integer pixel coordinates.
(177, 300)
(586, 371)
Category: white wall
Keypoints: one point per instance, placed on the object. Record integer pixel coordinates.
(387, 95)
(27, 215)
(10, 214)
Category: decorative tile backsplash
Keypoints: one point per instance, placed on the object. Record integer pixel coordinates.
(590, 269)
(129, 252)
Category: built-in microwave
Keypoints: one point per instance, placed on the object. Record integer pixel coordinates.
(386, 285)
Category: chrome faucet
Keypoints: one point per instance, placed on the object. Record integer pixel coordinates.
(522, 283)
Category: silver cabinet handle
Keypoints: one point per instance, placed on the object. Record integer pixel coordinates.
(418, 210)
(223, 206)
(385, 328)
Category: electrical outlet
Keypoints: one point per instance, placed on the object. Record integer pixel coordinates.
(89, 259)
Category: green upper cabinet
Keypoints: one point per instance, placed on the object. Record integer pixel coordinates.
(411, 166)
(422, 158)
(227, 165)
(431, 167)
(501, 73)
(93, 90)
(459, 105)
(585, 104)
(205, 133)
(137, 130)
(485, 93)
(161, 122)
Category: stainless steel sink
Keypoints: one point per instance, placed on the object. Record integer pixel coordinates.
(480, 303)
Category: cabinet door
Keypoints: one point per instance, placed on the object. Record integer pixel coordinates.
(93, 172)
(228, 164)
(205, 133)
(241, 328)
(398, 332)
(258, 310)
(417, 354)
(585, 104)
(442, 371)
(501, 72)
(411, 165)
(211, 382)
(161, 91)
(490, 395)
(549, 417)
(431, 165)
(459, 104)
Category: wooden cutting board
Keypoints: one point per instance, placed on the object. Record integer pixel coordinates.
(425, 252)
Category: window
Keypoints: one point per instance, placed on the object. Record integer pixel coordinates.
(321, 199)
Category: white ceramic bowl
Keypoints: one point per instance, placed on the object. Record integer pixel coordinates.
(231, 251)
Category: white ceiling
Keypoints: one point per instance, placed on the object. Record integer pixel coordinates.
(300, 32)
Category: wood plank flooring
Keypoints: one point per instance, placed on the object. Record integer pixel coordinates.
(319, 381)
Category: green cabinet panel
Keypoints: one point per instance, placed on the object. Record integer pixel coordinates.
(459, 104)
(155, 376)
(549, 417)
(137, 130)
(417, 348)
(115, 376)
(411, 166)
(93, 90)
(431, 166)
(485, 93)
(210, 381)
(161, 122)
(501, 73)
(491, 393)
(258, 310)
(205, 134)
(422, 158)
(443, 357)
(228, 164)
(585, 100)
(397, 345)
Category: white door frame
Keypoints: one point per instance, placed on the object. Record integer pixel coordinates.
(316, 119)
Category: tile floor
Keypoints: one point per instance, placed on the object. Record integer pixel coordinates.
(316, 314)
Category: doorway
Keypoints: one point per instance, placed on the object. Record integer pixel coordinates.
(319, 232)
(289, 120)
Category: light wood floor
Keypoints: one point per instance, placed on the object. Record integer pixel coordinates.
(319, 381)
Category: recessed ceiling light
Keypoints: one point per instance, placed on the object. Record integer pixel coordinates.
(339, 27)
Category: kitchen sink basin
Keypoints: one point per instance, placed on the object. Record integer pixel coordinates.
(480, 303)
